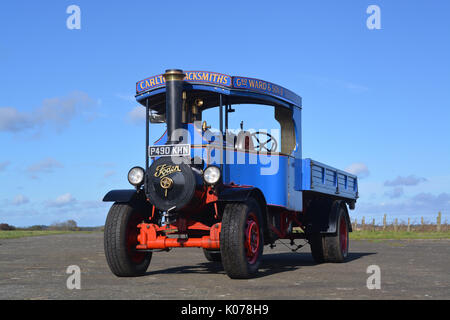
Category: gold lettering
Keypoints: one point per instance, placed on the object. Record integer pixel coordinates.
(164, 170)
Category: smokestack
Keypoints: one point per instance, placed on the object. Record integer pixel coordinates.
(174, 100)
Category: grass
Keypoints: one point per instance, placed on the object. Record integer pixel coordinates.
(385, 235)
(355, 235)
(14, 234)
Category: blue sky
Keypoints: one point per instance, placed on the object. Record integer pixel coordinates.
(375, 101)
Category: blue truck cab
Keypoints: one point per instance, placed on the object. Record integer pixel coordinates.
(227, 192)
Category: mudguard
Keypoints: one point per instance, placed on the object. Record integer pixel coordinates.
(241, 194)
(333, 216)
(322, 217)
(124, 196)
(237, 194)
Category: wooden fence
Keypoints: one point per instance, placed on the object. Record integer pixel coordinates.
(402, 226)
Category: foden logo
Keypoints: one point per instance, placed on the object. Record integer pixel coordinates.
(165, 169)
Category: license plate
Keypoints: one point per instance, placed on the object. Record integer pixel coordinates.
(169, 150)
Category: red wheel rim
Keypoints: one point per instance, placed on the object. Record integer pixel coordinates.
(343, 236)
(252, 238)
(132, 241)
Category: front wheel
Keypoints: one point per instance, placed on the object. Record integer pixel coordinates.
(241, 239)
(120, 240)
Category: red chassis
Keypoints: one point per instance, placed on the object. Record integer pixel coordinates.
(152, 236)
(179, 234)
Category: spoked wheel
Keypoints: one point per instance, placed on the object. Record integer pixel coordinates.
(332, 248)
(120, 241)
(241, 239)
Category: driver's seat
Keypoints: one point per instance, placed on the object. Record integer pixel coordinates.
(244, 141)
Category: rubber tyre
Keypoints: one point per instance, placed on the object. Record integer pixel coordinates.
(120, 239)
(239, 219)
(332, 248)
(212, 255)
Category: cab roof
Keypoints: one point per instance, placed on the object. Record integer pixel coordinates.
(207, 85)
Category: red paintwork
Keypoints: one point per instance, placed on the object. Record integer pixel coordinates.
(286, 218)
(252, 240)
(211, 196)
(131, 236)
(343, 235)
(152, 236)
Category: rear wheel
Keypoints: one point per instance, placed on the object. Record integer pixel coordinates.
(332, 248)
(120, 240)
(241, 239)
(212, 255)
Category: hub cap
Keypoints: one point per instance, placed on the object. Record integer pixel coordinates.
(252, 238)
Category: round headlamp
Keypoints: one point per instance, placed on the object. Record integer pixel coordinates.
(211, 175)
(136, 176)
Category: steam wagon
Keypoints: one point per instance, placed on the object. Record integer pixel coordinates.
(215, 190)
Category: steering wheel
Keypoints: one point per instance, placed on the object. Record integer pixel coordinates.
(263, 145)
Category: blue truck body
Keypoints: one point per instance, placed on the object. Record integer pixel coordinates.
(295, 176)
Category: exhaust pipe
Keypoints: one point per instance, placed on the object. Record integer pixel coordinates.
(174, 101)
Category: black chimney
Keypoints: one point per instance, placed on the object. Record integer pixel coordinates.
(174, 101)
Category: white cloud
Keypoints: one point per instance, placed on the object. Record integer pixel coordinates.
(405, 181)
(337, 83)
(422, 204)
(12, 120)
(395, 193)
(109, 173)
(62, 200)
(124, 97)
(355, 87)
(359, 169)
(57, 112)
(20, 199)
(137, 115)
(3, 165)
(46, 165)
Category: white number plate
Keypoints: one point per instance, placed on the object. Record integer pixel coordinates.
(169, 150)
